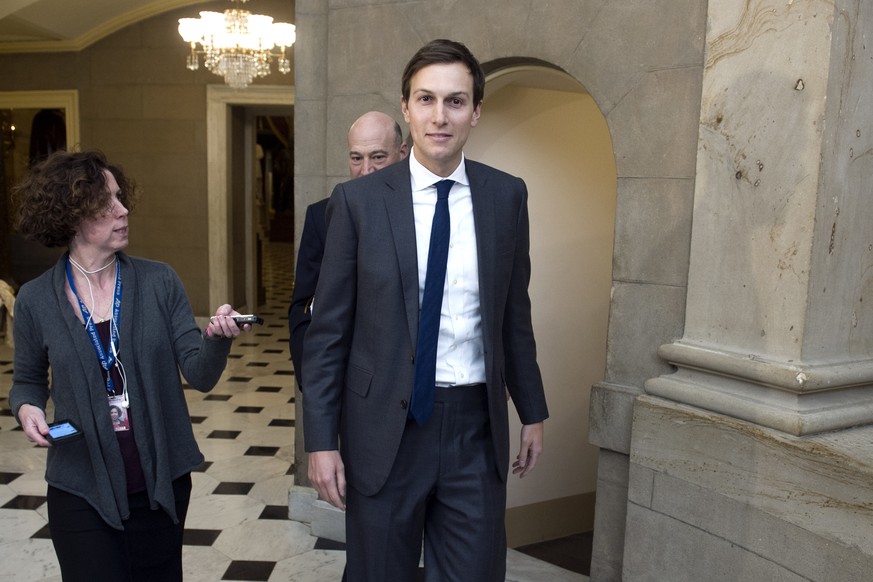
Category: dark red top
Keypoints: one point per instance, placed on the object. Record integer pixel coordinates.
(129, 452)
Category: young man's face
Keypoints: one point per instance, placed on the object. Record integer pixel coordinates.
(440, 114)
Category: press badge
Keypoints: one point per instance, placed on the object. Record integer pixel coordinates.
(118, 413)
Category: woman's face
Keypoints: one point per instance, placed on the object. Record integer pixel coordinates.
(107, 232)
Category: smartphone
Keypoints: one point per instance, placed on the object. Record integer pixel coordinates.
(63, 431)
(243, 319)
(250, 319)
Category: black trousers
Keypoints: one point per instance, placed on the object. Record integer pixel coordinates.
(443, 488)
(148, 550)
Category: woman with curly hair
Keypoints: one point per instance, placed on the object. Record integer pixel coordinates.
(104, 331)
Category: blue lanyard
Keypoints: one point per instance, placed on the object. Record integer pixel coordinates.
(106, 359)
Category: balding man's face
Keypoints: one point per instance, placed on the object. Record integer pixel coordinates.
(372, 146)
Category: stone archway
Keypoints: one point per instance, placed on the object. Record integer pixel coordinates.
(539, 123)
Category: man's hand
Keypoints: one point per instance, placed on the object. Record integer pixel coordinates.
(531, 447)
(328, 475)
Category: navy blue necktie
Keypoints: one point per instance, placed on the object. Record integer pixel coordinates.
(431, 306)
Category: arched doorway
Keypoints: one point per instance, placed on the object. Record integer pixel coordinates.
(540, 124)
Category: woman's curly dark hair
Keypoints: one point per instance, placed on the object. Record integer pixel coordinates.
(62, 191)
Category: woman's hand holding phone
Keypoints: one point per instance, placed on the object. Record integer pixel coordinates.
(32, 420)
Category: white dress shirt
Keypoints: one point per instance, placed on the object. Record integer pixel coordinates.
(460, 352)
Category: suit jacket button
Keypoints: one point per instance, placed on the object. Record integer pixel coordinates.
(403, 404)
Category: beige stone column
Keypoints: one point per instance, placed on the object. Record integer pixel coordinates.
(310, 145)
(779, 315)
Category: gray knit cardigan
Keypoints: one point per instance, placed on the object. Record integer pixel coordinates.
(158, 338)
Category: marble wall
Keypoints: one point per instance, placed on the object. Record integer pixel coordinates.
(780, 257)
(766, 475)
(716, 498)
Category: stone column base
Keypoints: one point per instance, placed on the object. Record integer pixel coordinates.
(714, 498)
(324, 520)
(796, 398)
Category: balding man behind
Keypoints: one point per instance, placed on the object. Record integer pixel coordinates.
(375, 141)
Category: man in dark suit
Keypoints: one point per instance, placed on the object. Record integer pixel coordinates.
(375, 141)
(425, 457)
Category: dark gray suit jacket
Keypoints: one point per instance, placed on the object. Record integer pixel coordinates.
(305, 280)
(360, 347)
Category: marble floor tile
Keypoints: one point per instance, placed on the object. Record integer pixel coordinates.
(222, 511)
(28, 560)
(31, 483)
(264, 540)
(220, 449)
(203, 564)
(16, 524)
(21, 456)
(202, 484)
(265, 436)
(286, 454)
(313, 566)
(273, 491)
(247, 468)
(6, 493)
(235, 419)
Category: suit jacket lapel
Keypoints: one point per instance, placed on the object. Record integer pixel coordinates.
(483, 217)
(398, 204)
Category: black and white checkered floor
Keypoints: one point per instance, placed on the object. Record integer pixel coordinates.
(237, 526)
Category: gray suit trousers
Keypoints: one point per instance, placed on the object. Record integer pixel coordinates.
(443, 486)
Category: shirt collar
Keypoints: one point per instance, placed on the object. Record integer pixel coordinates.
(423, 178)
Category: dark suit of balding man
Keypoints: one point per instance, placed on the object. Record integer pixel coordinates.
(305, 281)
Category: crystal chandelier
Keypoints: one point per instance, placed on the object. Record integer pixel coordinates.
(237, 45)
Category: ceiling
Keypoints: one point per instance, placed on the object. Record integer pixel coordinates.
(63, 25)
